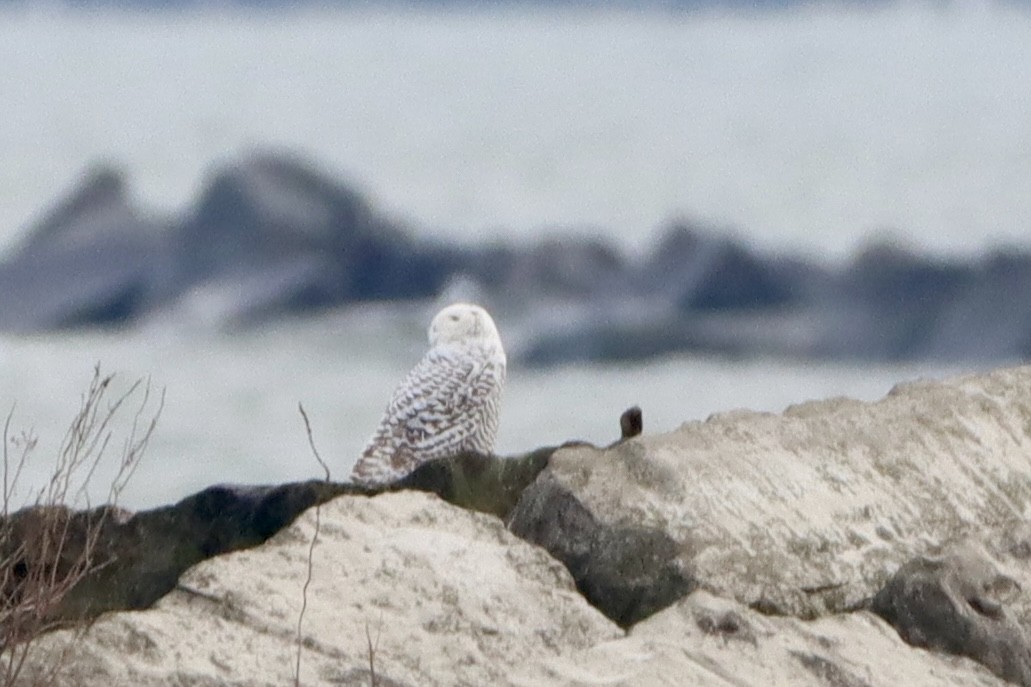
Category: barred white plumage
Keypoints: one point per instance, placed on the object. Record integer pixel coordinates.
(448, 403)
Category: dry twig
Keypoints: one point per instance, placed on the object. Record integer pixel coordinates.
(46, 548)
(311, 550)
(372, 649)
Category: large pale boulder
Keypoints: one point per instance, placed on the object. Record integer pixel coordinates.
(804, 513)
(443, 596)
(706, 641)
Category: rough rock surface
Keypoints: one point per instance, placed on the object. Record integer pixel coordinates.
(445, 597)
(707, 641)
(805, 513)
(964, 601)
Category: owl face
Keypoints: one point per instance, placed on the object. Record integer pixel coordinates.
(461, 323)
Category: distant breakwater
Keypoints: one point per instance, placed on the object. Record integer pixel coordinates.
(271, 234)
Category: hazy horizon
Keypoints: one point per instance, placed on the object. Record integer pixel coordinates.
(805, 130)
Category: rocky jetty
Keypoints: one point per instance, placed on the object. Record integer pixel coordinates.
(271, 234)
(837, 543)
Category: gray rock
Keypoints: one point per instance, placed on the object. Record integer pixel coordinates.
(627, 571)
(889, 304)
(961, 603)
(571, 268)
(707, 641)
(805, 514)
(89, 261)
(708, 273)
(980, 322)
(276, 220)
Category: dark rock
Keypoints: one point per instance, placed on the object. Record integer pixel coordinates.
(889, 305)
(570, 268)
(270, 235)
(704, 272)
(726, 623)
(608, 339)
(957, 603)
(727, 277)
(627, 572)
(631, 423)
(985, 321)
(137, 559)
(266, 208)
(89, 261)
(277, 221)
(489, 484)
(599, 341)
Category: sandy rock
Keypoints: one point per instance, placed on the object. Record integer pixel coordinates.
(707, 641)
(445, 596)
(805, 513)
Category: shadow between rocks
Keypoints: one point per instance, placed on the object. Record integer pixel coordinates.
(626, 572)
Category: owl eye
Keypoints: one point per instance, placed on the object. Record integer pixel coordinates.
(454, 318)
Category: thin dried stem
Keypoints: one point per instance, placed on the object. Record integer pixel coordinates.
(311, 441)
(47, 548)
(311, 550)
(372, 649)
(7, 460)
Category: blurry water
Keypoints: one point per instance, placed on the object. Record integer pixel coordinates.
(231, 401)
(807, 129)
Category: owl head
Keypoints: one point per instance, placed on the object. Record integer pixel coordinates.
(463, 323)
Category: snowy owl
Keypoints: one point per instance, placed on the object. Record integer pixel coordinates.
(447, 404)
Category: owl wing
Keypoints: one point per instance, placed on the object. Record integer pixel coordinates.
(429, 416)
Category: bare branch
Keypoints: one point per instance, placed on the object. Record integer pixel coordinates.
(47, 548)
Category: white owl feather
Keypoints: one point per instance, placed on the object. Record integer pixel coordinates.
(447, 404)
